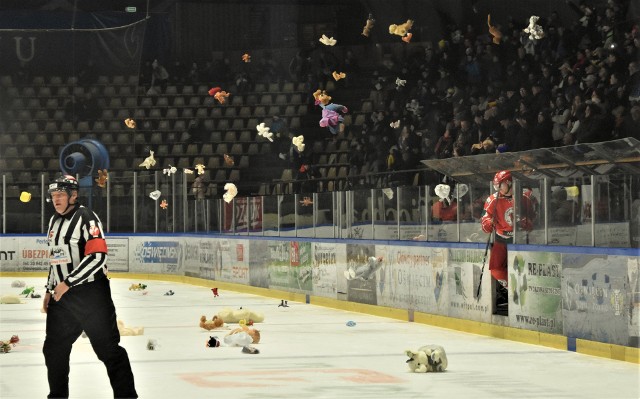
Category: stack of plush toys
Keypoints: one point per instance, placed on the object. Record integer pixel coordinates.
(242, 336)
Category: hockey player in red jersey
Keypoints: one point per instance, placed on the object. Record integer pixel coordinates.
(498, 216)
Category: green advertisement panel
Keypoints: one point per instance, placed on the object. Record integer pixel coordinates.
(534, 291)
(278, 261)
(300, 271)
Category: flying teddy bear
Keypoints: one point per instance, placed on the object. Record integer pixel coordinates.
(263, 131)
(298, 141)
(534, 30)
(231, 193)
(131, 124)
(368, 26)
(495, 32)
(103, 176)
(402, 29)
(149, 161)
(330, 112)
(233, 316)
(212, 324)
(338, 75)
(429, 358)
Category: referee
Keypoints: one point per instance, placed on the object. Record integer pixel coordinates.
(81, 295)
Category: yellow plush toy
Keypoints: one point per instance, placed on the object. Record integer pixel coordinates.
(128, 331)
(234, 316)
(402, 29)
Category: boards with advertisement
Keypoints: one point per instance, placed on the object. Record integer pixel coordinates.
(258, 263)
(155, 255)
(411, 279)
(300, 272)
(361, 291)
(118, 254)
(326, 257)
(279, 264)
(9, 252)
(33, 254)
(464, 270)
(535, 291)
(595, 302)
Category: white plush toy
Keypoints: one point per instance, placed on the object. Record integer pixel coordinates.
(170, 170)
(534, 30)
(298, 141)
(429, 358)
(366, 271)
(263, 131)
(234, 316)
(149, 161)
(232, 191)
(328, 41)
(442, 191)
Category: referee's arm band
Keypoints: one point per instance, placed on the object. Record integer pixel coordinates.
(96, 245)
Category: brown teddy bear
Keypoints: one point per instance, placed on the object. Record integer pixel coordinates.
(209, 325)
(369, 25)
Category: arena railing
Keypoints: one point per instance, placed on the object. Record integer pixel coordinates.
(584, 195)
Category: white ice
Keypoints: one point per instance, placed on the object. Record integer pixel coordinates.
(306, 351)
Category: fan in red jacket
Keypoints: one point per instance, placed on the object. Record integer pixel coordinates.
(498, 217)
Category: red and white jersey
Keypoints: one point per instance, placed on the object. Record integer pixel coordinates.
(498, 212)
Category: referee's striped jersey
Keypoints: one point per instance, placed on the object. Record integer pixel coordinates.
(77, 248)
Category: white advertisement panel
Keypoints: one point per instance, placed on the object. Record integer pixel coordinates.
(33, 255)
(118, 254)
(233, 262)
(326, 257)
(464, 271)
(9, 253)
(155, 255)
(412, 278)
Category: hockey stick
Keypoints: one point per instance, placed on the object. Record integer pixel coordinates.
(486, 249)
(484, 261)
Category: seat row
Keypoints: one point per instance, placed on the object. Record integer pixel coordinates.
(132, 101)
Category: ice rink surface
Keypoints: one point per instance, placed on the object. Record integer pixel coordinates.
(306, 351)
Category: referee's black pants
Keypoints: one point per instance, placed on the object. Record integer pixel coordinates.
(87, 307)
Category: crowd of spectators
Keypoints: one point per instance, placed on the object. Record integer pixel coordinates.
(466, 95)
